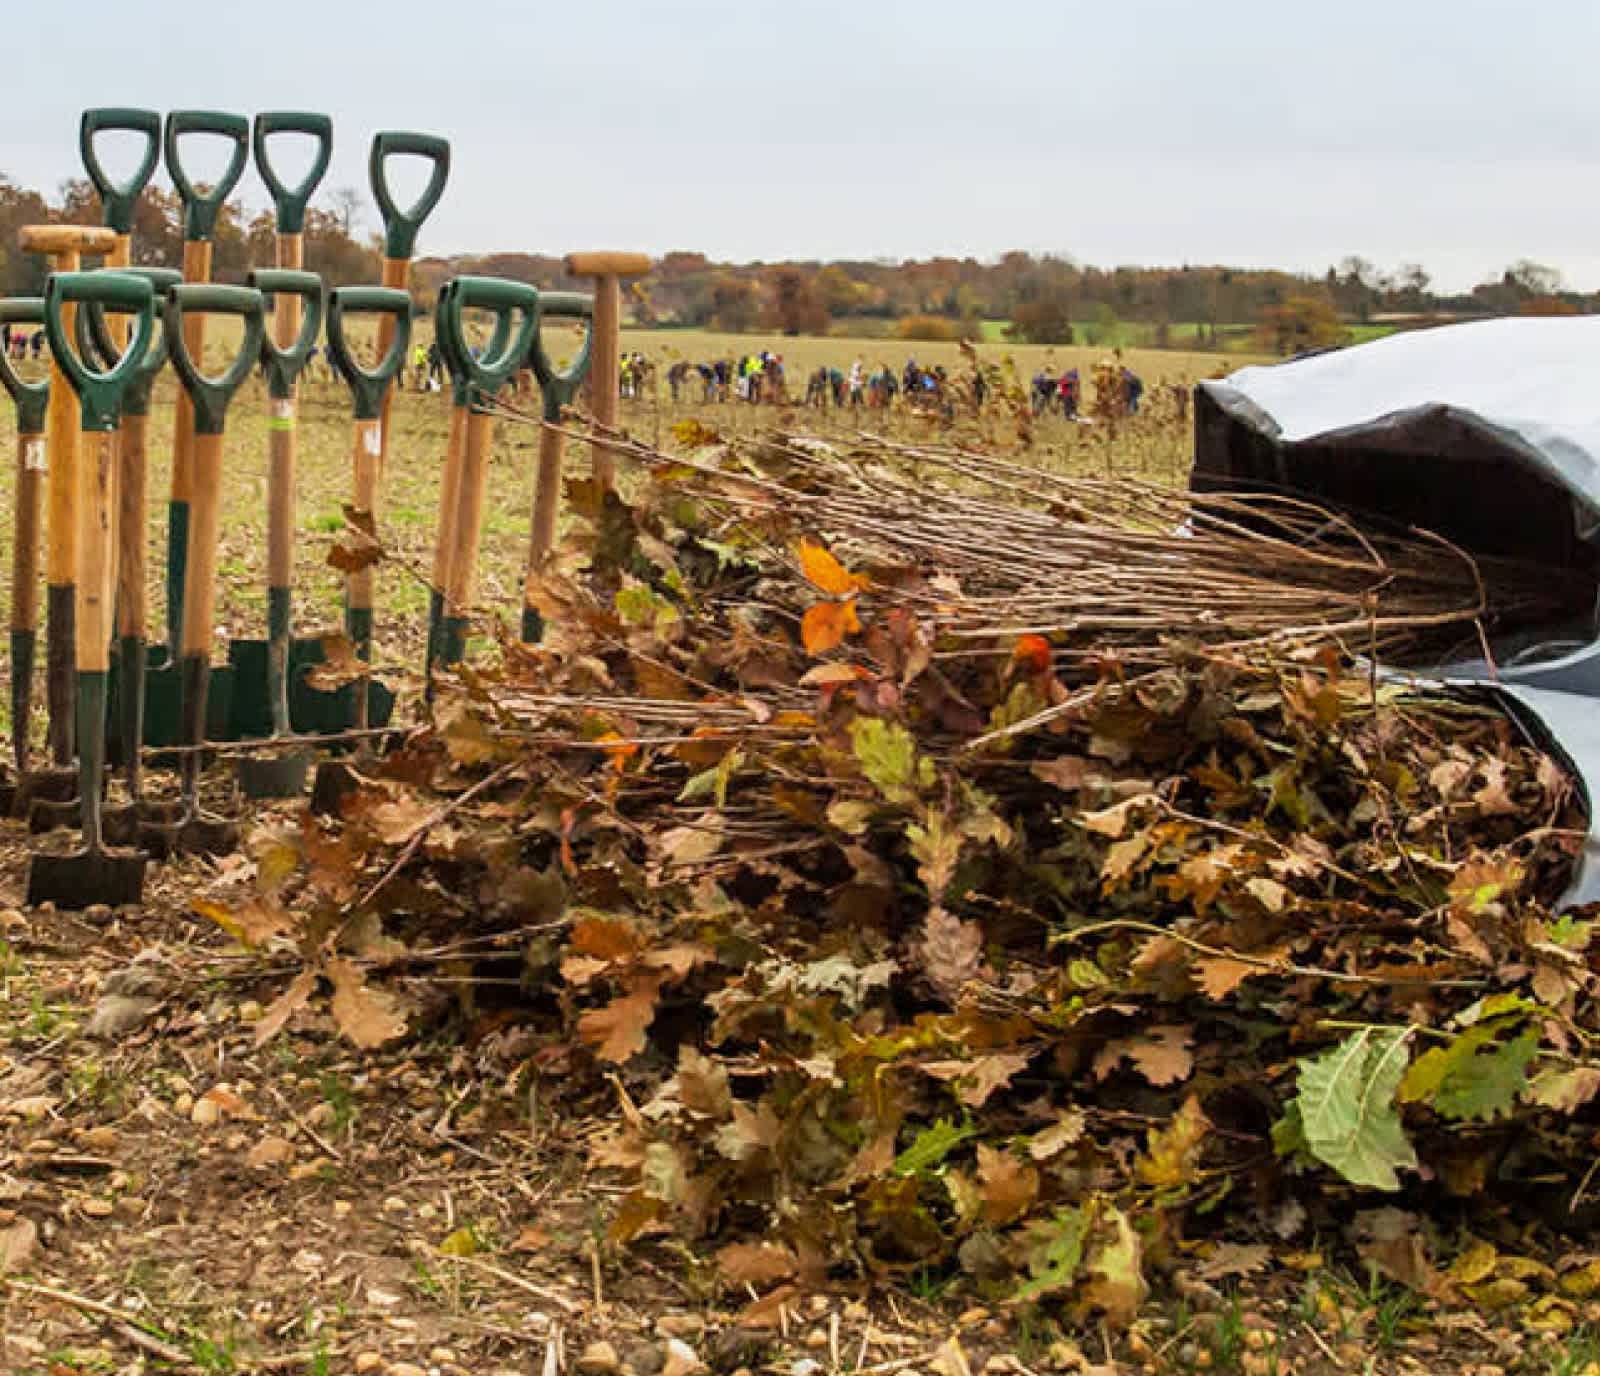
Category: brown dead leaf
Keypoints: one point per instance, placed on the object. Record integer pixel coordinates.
(692, 845)
(756, 1263)
(252, 923)
(677, 962)
(18, 1242)
(980, 1077)
(1162, 1055)
(1230, 1259)
(1219, 976)
(1069, 773)
(369, 1017)
(399, 820)
(618, 1030)
(951, 952)
(1494, 798)
(606, 939)
(703, 1084)
(1007, 1184)
(285, 1006)
(1391, 1240)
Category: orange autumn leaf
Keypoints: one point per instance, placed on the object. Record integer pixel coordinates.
(1032, 652)
(825, 626)
(823, 571)
(620, 753)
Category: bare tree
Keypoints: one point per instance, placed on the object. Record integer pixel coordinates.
(347, 202)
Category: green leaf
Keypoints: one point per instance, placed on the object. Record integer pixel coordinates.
(1289, 1132)
(888, 757)
(1474, 1077)
(931, 1146)
(1054, 1263)
(713, 783)
(1347, 1108)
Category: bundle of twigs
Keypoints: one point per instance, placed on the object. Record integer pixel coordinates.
(1100, 565)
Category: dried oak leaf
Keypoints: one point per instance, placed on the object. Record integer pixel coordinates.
(1162, 1055)
(951, 952)
(369, 1017)
(250, 924)
(1219, 976)
(1007, 1185)
(979, 1078)
(619, 1030)
(756, 1263)
(285, 1006)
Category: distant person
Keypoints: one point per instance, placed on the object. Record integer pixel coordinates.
(856, 381)
(36, 344)
(1043, 388)
(1069, 394)
(1132, 390)
(419, 367)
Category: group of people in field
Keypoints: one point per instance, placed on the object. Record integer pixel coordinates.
(1118, 390)
(878, 388)
(761, 378)
(18, 344)
(751, 378)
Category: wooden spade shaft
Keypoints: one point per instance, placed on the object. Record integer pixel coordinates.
(28, 495)
(132, 498)
(196, 268)
(546, 501)
(396, 274)
(461, 581)
(25, 550)
(287, 313)
(61, 426)
(605, 368)
(200, 584)
(440, 649)
(61, 543)
(367, 463)
(99, 472)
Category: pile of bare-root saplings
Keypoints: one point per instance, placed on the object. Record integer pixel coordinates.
(927, 863)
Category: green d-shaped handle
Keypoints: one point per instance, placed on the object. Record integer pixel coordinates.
(400, 226)
(95, 341)
(284, 365)
(99, 391)
(290, 201)
(559, 387)
(118, 199)
(367, 386)
(32, 399)
(200, 208)
(492, 369)
(460, 380)
(211, 395)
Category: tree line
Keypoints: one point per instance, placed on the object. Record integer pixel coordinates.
(1044, 298)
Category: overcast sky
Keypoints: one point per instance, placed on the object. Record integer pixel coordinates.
(1457, 133)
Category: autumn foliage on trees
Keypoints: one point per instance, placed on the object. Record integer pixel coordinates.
(1300, 323)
